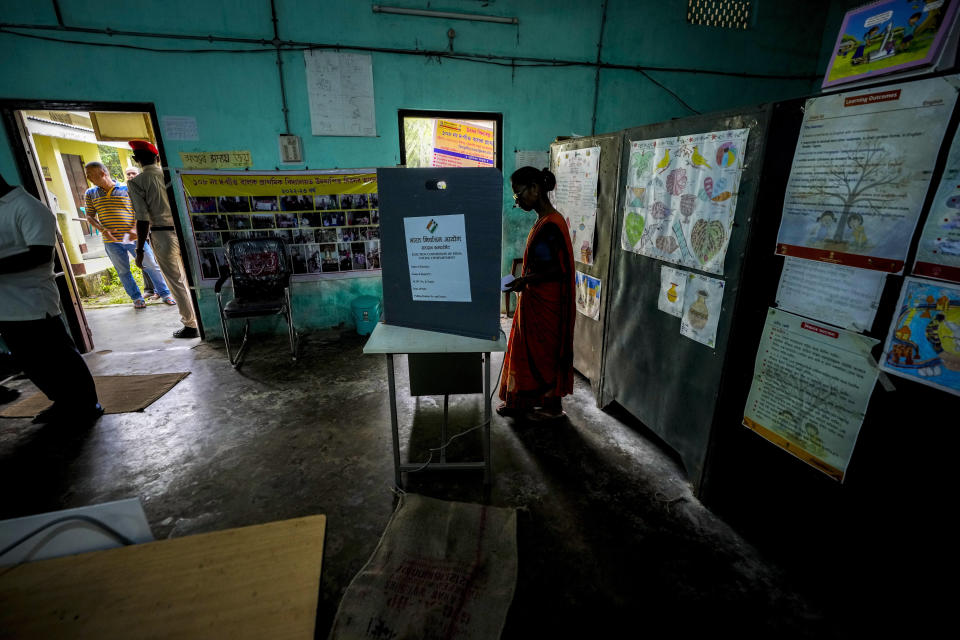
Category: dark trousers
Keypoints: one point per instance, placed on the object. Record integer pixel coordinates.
(47, 355)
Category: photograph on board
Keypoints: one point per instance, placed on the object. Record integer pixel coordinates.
(296, 203)
(233, 204)
(263, 221)
(325, 202)
(238, 223)
(202, 205)
(209, 223)
(207, 239)
(286, 220)
(265, 203)
(888, 36)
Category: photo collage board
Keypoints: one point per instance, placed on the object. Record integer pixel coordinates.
(329, 220)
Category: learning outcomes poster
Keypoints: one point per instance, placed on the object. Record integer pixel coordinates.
(329, 220)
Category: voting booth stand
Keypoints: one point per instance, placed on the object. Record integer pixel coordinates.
(441, 291)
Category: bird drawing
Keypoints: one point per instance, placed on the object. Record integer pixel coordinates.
(698, 160)
(664, 162)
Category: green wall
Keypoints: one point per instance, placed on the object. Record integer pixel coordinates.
(236, 100)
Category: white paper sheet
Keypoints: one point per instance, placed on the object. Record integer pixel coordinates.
(536, 159)
(673, 284)
(702, 299)
(843, 296)
(179, 128)
(861, 171)
(938, 254)
(340, 91)
(576, 197)
(588, 295)
(811, 386)
(437, 258)
(682, 197)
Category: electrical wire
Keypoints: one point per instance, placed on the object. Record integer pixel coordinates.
(668, 90)
(98, 523)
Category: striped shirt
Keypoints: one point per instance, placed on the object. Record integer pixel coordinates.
(112, 208)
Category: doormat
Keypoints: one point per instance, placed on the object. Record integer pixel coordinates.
(441, 570)
(117, 394)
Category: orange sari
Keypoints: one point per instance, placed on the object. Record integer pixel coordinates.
(539, 359)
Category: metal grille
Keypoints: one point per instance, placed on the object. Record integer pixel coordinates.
(727, 14)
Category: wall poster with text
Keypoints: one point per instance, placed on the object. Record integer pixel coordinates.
(577, 172)
(329, 220)
(938, 253)
(682, 196)
(861, 171)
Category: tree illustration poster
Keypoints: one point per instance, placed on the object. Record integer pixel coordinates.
(702, 298)
(923, 343)
(861, 171)
(811, 387)
(682, 196)
(938, 253)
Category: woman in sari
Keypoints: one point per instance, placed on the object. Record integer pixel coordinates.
(538, 364)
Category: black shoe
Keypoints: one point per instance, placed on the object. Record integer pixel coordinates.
(60, 414)
(186, 332)
(8, 395)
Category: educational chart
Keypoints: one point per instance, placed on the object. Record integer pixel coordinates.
(575, 197)
(588, 295)
(673, 284)
(330, 221)
(340, 93)
(702, 298)
(843, 296)
(888, 36)
(924, 339)
(938, 253)
(458, 143)
(437, 258)
(861, 171)
(682, 197)
(811, 386)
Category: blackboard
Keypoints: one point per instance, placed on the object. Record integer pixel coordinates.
(475, 194)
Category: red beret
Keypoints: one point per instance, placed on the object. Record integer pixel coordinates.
(144, 144)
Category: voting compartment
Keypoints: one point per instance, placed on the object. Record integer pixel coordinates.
(441, 237)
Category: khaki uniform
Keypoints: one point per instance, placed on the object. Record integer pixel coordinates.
(149, 196)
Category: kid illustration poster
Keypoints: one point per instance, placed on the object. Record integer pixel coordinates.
(889, 36)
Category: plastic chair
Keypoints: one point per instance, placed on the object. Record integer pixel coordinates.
(508, 295)
(260, 269)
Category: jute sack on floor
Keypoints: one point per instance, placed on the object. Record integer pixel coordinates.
(441, 570)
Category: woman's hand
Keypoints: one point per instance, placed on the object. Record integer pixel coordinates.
(518, 284)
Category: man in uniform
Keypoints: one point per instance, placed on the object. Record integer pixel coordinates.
(30, 319)
(148, 192)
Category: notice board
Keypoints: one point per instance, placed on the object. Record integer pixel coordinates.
(441, 238)
(668, 380)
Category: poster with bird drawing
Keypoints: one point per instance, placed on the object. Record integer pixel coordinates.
(682, 196)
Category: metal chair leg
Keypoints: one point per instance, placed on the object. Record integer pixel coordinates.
(243, 345)
(294, 338)
(226, 330)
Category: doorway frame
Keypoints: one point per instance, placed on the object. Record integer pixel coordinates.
(27, 168)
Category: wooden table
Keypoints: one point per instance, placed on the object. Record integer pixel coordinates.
(253, 582)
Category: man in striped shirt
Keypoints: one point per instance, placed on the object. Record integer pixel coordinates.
(110, 210)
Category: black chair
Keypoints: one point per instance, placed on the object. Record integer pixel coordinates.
(260, 269)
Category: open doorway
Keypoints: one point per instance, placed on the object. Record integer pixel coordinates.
(53, 143)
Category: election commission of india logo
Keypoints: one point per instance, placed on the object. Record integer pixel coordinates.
(432, 225)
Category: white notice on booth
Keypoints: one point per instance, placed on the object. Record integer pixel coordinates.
(437, 258)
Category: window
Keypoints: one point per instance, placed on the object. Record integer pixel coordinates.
(450, 139)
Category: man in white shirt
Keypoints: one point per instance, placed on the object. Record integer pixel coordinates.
(30, 320)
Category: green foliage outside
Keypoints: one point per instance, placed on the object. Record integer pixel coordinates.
(113, 292)
(110, 157)
(418, 141)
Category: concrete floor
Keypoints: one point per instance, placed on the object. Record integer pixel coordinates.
(610, 535)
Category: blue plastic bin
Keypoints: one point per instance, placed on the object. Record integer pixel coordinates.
(366, 313)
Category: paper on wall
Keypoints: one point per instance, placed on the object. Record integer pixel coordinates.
(923, 343)
(588, 295)
(702, 299)
(437, 258)
(810, 391)
(179, 128)
(839, 295)
(340, 93)
(673, 283)
(682, 197)
(861, 171)
(576, 197)
(938, 253)
(536, 159)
